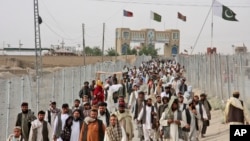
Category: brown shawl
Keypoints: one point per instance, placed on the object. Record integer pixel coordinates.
(114, 132)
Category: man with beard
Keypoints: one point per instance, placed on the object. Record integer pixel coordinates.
(236, 112)
(103, 114)
(166, 93)
(182, 106)
(24, 120)
(92, 129)
(171, 121)
(125, 120)
(114, 132)
(208, 108)
(133, 96)
(191, 118)
(183, 86)
(77, 106)
(86, 109)
(157, 105)
(59, 122)
(147, 116)
(139, 103)
(40, 130)
(85, 90)
(71, 130)
(202, 114)
(51, 113)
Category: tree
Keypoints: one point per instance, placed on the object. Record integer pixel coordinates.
(88, 50)
(150, 50)
(97, 51)
(131, 51)
(111, 52)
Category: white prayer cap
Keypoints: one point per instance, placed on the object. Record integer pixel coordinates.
(17, 127)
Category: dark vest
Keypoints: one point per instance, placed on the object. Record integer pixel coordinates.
(49, 117)
(136, 109)
(235, 114)
(144, 114)
(166, 129)
(100, 131)
(45, 132)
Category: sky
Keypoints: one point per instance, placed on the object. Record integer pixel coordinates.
(62, 20)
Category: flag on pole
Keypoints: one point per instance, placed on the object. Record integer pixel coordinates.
(181, 17)
(127, 13)
(223, 11)
(40, 21)
(155, 16)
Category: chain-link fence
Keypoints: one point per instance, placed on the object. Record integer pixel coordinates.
(218, 75)
(62, 86)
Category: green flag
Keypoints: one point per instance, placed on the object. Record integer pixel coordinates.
(223, 11)
(155, 16)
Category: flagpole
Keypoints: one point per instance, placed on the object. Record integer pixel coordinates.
(212, 25)
(202, 27)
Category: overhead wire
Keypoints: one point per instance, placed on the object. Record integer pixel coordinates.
(54, 19)
(167, 4)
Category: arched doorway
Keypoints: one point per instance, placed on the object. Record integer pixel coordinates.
(174, 50)
(125, 47)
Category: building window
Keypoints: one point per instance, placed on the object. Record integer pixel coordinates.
(175, 35)
(117, 34)
(126, 35)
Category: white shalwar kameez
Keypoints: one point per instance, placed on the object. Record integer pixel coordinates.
(63, 118)
(75, 131)
(174, 135)
(147, 126)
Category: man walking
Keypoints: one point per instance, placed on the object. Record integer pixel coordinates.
(236, 112)
(208, 108)
(114, 132)
(103, 114)
(125, 120)
(51, 113)
(147, 116)
(40, 129)
(172, 122)
(60, 122)
(71, 130)
(92, 129)
(24, 120)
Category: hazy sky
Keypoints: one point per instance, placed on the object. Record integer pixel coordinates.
(62, 19)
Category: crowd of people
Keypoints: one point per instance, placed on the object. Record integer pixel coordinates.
(152, 98)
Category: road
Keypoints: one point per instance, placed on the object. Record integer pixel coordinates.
(215, 132)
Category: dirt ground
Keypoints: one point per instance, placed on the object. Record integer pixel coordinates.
(19, 65)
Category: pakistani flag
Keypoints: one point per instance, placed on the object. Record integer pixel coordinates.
(155, 16)
(223, 11)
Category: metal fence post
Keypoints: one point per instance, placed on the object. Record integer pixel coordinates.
(38, 92)
(228, 86)
(80, 73)
(8, 108)
(63, 87)
(73, 74)
(22, 89)
(53, 87)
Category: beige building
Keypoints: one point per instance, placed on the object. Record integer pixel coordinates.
(240, 50)
(148, 37)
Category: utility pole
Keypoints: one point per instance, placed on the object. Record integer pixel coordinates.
(103, 32)
(62, 43)
(83, 44)
(38, 64)
(20, 45)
